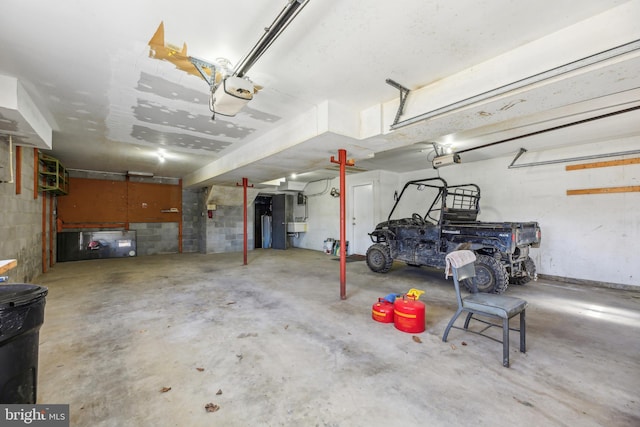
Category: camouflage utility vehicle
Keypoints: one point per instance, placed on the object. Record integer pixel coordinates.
(449, 223)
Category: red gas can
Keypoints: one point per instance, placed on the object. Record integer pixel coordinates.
(409, 315)
(382, 311)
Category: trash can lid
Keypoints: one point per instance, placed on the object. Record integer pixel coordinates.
(20, 294)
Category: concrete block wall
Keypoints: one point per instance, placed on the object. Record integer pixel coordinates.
(156, 237)
(21, 223)
(193, 220)
(225, 231)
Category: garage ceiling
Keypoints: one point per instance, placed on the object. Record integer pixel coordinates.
(479, 72)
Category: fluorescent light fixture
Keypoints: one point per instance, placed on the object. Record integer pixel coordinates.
(275, 182)
(136, 173)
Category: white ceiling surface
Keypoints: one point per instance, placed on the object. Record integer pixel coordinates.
(86, 65)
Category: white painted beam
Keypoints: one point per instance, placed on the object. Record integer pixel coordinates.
(31, 128)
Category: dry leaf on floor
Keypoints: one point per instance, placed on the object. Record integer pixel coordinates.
(199, 369)
(463, 343)
(453, 347)
(165, 389)
(231, 302)
(247, 335)
(417, 339)
(211, 407)
(523, 402)
(286, 326)
(219, 392)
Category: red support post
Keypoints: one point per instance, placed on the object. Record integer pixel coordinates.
(245, 184)
(51, 231)
(343, 162)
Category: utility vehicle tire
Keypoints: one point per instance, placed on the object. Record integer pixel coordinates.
(530, 269)
(491, 275)
(379, 258)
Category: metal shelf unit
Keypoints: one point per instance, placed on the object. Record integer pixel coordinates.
(54, 177)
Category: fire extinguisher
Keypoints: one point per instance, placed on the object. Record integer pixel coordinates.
(210, 208)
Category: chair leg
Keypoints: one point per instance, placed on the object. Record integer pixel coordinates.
(505, 342)
(451, 322)
(523, 333)
(468, 319)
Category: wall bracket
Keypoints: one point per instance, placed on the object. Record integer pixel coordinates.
(404, 92)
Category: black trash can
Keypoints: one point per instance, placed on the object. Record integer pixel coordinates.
(21, 315)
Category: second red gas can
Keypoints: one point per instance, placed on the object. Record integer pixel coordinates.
(409, 314)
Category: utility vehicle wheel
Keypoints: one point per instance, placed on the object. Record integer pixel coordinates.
(379, 258)
(491, 275)
(529, 268)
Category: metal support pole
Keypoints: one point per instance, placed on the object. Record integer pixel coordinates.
(343, 162)
(244, 185)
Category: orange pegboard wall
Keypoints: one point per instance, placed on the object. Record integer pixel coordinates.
(154, 202)
(107, 201)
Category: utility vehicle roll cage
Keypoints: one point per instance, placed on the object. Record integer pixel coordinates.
(456, 203)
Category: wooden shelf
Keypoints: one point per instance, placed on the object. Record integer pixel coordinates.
(54, 178)
(628, 189)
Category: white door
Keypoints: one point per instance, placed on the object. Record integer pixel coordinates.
(362, 220)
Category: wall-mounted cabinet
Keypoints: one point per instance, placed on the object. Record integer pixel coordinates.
(54, 177)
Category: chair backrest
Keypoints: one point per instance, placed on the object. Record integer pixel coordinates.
(462, 268)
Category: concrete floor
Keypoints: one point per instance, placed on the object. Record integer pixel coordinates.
(272, 344)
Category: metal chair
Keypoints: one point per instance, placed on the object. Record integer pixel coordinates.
(460, 265)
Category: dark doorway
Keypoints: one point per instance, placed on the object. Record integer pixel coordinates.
(279, 236)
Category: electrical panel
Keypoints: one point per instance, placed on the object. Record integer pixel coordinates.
(302, 199)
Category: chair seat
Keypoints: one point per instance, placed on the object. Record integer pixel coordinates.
(496, 305)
